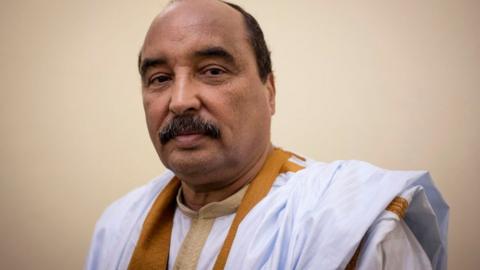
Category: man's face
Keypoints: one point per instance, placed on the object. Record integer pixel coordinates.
(197, 62)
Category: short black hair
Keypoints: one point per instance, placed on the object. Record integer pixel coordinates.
(256, 40)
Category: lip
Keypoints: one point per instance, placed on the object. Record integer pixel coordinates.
(187, 141)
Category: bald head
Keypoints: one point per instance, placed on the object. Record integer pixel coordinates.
(222, 10)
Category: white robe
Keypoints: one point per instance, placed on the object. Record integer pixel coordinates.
(312, 219)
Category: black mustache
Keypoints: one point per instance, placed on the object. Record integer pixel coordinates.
(188, 124)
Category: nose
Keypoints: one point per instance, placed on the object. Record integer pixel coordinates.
(184, 97)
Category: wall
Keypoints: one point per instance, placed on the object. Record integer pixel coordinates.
(393, 82)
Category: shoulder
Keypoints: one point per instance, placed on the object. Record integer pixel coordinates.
(360, 183)
(120, 222)
(352, 180)
(356, 179)
(133, 203)
(346, 192)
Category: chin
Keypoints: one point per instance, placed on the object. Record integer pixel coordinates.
(191, 163)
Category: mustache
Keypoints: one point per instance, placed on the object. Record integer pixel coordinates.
(188, 124)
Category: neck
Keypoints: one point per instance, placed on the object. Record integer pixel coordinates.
(196, 199)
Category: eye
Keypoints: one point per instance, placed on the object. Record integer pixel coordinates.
(214, 71)
(159, 79)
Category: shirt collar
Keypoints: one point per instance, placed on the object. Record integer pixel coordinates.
(213, 209)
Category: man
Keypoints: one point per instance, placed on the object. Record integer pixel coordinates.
(230, 199)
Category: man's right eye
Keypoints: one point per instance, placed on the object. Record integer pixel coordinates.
(159, 79)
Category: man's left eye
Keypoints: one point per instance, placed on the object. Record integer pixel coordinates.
(214, 71)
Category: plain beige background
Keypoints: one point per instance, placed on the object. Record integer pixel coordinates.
(396, 83)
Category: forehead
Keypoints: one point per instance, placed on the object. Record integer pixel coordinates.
(188, 25)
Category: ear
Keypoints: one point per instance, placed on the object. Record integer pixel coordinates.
(270, 87)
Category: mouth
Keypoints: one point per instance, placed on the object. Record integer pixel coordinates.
(188, 140)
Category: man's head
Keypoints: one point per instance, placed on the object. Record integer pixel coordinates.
(208, 91)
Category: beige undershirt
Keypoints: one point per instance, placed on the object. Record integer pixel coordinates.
(201, 225)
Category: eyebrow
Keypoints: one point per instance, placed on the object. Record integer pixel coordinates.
(215, 52)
